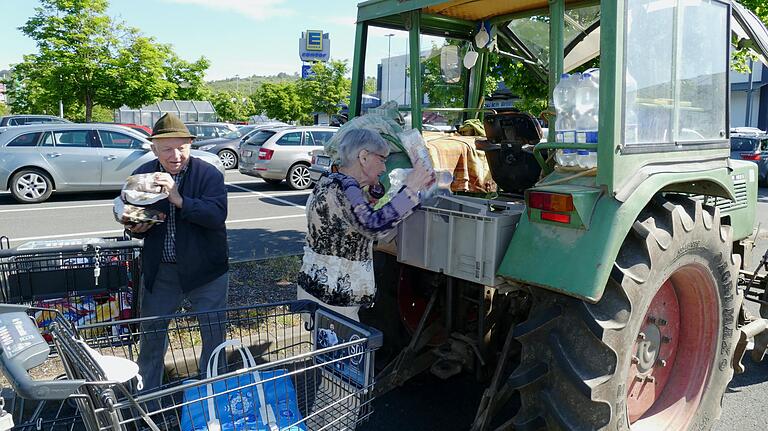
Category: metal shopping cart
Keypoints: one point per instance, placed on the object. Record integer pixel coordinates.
(89, 280)
(307, 367)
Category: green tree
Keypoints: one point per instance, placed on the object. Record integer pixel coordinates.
(741, 55)
(4, 109)
(329, 87)
(440, 93)
(187, 78)
(451, 95)
(231, 106)
(281, 101)
(525, 84)
(369, 87)
(86, 60)
(137, 73)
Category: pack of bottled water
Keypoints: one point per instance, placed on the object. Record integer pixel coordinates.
(576, 100)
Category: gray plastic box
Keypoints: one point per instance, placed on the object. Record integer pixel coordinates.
(460, 236)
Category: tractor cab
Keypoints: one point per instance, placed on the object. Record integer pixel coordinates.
(591, 253)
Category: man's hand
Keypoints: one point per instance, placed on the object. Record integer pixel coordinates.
(165, 180)
(139, 227)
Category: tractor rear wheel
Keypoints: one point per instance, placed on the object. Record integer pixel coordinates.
(655, 351)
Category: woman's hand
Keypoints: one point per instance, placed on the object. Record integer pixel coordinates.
(420, 178)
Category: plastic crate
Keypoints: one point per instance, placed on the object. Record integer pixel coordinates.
(459, 236)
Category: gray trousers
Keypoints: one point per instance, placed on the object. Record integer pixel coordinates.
(166, 298)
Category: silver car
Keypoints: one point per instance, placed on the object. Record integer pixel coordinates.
(277, 154)
(37, 160)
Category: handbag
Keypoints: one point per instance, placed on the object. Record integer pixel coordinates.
(241, 402)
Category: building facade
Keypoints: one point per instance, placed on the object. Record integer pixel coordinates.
(749, 98)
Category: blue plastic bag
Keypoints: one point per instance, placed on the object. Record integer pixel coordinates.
(262, 406)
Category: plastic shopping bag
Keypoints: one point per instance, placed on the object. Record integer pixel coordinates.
(242, 402)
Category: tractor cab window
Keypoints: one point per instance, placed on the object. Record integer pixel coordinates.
(444, 73)
(528, 38)
(675, 72)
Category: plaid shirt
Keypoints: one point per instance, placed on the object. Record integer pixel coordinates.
(169, 248)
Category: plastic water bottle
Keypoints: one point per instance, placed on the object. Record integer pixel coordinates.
(565, 125)
(568, 157)
(586, 109)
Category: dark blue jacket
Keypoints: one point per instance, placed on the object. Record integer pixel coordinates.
(201, 235)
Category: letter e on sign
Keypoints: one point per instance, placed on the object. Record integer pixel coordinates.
(314, 40)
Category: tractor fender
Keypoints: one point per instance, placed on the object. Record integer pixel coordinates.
(577, 261)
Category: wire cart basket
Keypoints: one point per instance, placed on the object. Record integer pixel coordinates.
(314, 365)
(88, 280)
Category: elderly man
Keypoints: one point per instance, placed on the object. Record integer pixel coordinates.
(187, 255)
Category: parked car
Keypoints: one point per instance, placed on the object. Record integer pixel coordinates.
(144, 130)
(319, 164)
(752, 146)
(228, 146)
(205, 131)
(37, 160)
(283, 153)
(24, 119)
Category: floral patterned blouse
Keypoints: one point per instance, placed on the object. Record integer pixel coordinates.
(342, 225)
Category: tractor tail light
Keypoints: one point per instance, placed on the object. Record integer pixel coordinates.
(556, 217)
(750, 156)
(265, 154)
(550, 202)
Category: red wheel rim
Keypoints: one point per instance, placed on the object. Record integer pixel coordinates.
(672, 357)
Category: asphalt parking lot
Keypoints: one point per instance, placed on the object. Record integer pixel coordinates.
(264, 220)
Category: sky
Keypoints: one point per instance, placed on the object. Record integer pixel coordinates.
(239, 37)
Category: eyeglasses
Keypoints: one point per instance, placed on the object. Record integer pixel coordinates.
(382, 158)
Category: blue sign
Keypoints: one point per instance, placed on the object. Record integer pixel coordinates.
(306, 71)
(314, 45)
(314, 40)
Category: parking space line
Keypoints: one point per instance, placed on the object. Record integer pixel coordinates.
(266, 196)
(54, 208)
(262, 195)
(69, 235)
(117, 232)
(251, 193)
(246, 220)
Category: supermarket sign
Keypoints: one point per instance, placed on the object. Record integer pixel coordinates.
(314, 45)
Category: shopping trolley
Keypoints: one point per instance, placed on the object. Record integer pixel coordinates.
(89, 280)
(302, 355)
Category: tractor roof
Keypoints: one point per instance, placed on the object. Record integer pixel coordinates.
(470, 10)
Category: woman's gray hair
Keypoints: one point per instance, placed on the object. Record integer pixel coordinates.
(357, 140)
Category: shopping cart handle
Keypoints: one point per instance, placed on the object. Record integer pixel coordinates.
(37, 389)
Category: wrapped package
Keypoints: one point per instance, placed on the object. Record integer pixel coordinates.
(379, 119)
(141, 189)
(416, 148)
(127, 213)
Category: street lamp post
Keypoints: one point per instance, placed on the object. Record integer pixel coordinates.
(237, 80)
(389, 61)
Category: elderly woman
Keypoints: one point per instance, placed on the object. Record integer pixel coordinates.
(342, 224)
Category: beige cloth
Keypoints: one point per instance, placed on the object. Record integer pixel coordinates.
(457, 154)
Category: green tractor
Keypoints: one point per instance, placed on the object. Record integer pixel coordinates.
(601, 297)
